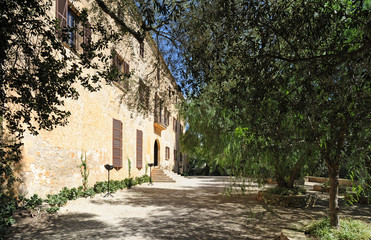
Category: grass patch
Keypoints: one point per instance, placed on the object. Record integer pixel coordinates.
(349, 229)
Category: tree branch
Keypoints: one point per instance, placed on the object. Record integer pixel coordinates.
(137, 34)
(339, 56)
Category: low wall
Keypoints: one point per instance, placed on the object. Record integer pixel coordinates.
(342, 181)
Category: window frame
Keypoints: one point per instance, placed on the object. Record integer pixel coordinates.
(117, 160)
(139, 149)
(167, 153)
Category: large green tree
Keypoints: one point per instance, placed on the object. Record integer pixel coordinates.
(284, 84)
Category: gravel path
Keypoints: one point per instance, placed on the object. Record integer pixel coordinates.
(192, 209)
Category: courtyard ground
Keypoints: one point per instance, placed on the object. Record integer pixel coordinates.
(195, 208)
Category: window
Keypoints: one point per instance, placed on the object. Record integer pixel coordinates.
(122, 69)
(141, 49)
(87, 34)
(166, 117)
(61, 13)
(139, 149)
(175, 156)
(144, 92)
(69, 24)
(117, 144)
(167, 153)
(175, 124)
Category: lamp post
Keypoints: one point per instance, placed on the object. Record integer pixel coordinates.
(150, 165)
(109, 168)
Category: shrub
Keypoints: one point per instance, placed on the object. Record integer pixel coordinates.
(100, 187)
(32, 202)
(52, 210)
(286, 191)
(349, 229)
(7, 208)
(56, 200)
(89, 192)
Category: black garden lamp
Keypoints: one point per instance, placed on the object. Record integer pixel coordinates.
(109, 168)
(150, 165)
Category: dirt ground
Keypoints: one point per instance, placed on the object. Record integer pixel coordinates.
(195, 208)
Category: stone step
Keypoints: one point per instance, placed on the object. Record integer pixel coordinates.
(158, 175)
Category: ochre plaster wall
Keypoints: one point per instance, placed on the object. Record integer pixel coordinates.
(51, 159)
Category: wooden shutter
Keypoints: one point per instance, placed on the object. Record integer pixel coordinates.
(87, 34)
(175, 124)
(117, 144)
(139, 149)
(61, 13)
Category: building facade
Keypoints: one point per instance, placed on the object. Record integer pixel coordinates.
(128, 123)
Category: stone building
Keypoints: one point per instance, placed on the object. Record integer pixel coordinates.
(126, 123)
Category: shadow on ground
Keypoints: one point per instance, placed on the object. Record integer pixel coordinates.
(199, 212)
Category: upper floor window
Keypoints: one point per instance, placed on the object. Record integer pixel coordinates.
(144, 92)
(71, 30)
(122, 70)
(72, 27)
(175, 123)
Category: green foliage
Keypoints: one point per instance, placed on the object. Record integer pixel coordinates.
(56, 200)
(84, 171)
(89, 192)
(32, 203)
(52, 210)
(278, 87)
(286, 191)
(349, 229)
(7, 207)
(129, 167)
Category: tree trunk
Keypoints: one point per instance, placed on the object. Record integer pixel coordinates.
(334, 190)
(294, 174)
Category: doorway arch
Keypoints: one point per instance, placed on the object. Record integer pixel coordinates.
(156, 153)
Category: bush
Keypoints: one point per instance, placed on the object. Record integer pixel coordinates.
(7, 208)
(89, 192)
(56, 200)
(349, 229)
(286, 191)
(100, 187)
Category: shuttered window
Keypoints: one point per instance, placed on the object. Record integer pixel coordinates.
(87, 34)
(139, 149)
(175, 155)
(175, 123)
(61, 13)
(123, 69)
(167, 153)
(117, 144)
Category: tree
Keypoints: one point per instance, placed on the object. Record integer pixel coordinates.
(288, 82)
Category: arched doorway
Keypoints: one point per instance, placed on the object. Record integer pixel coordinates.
(156, 153)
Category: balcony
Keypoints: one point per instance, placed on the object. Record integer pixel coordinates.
(160, 123)
(161, 119)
